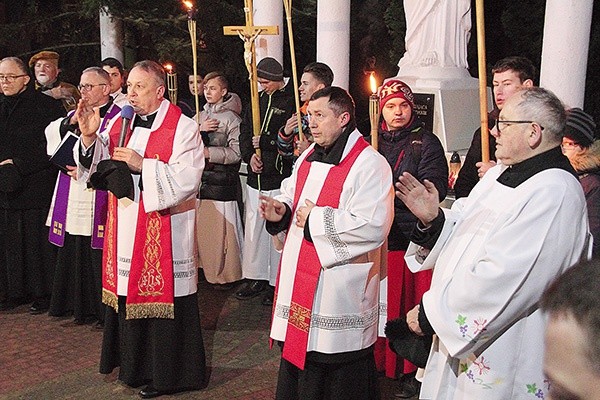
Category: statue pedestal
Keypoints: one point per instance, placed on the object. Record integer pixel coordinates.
(455, 103)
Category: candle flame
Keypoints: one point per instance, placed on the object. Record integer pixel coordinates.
(188, 4)
(373, 83)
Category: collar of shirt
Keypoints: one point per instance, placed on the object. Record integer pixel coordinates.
(333, 154)
(144, 121)
(104, 109)
(516, 174)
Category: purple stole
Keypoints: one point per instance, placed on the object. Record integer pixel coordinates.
(56, 234)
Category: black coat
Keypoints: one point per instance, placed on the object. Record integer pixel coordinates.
(396, 147)
(29, 183)
(468, 175)
(275, 110)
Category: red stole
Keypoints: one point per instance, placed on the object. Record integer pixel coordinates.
(151, 287)
(309, 267)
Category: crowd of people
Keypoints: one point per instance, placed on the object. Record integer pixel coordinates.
(114, 203)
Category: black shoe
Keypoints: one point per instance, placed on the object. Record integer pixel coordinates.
(268, 297)
(149, 392)
(408, 387)
(251, 289)
(38, 307)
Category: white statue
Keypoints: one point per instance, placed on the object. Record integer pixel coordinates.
(437, 33)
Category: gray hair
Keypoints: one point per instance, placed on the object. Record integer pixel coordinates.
(98, 71)
(153, 68)
(20, 63)
(542, 106)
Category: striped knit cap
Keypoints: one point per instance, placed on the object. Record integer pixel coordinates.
(581, 127)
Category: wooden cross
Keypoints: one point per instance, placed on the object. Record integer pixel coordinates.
(248, 33)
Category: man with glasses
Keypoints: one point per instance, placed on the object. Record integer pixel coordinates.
(265, 174)
(494, 253)
(80, 213)
(45, 67)
(26, 181)
(510, 75)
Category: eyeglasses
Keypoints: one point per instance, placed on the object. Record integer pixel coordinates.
(498, 122)
(88, 86)
(568, 145)
(10, 78)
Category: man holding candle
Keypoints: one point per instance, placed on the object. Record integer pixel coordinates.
(493, 254)
(407, 147)
(265, 174)
(511, 74)
(315, 76)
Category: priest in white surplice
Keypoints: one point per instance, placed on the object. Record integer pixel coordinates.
(493, 254)
(337, 207)
(152, 326)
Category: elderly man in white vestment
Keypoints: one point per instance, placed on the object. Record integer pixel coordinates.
(78, 213)
(152, 326)
(494, 252)
(337, 207)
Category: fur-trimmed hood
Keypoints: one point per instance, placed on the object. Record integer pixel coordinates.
(588, 160)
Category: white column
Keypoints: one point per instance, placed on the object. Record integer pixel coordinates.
(333, 38)
(269, 13)
(111, 36)
(565, 49)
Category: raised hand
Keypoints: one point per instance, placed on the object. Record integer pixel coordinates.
(88, 119)
(422, 199)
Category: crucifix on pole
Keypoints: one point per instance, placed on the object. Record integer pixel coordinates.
(248, 33)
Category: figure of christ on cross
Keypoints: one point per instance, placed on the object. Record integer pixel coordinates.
(248, 33)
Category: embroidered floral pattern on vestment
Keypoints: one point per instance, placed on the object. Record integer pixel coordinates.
(477, 327)
(476, 370)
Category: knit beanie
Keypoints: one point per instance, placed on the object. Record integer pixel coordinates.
(269, 68)
(580, 127)
(395, 89)
(51, 56)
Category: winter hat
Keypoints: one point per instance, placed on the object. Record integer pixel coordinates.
(270, 69)
(395, 89)
(580, 127)
(51, 56)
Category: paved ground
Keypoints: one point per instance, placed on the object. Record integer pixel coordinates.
(43, 357)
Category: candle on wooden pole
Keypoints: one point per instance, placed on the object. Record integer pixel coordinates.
(171, 83)
(191, 15)
(485, 139)
(374, 112)
(288, 13)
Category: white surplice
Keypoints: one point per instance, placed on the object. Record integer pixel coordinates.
(345, 310)
(499, 249)
(80, 205)
(172, 185)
